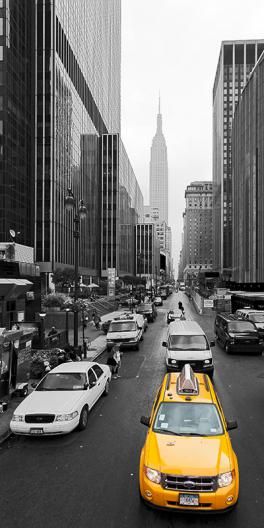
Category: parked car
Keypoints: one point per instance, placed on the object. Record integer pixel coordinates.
(62, 400)
(158, 301)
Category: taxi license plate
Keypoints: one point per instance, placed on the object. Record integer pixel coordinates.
(36, 431)
(189, 500)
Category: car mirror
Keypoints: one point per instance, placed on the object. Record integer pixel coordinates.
(145, 420)
(85, 386)
(164, 343)
(92, 384)
(231, 424)
(33, 385)
(212, 343)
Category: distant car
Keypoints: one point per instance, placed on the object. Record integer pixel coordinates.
(148, 310)
(158, 301)
(62, 399)
(129, 301)
(174, 315)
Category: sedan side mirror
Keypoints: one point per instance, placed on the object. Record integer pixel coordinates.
(212, 343)
(85, 386)
(164, 343)
(231, 424)
(92, 384)
(33, 385)
(145, 420)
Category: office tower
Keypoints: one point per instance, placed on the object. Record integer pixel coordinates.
(158, 173)
(121, 207)
(197, 237)
(248, 185)
(147, 251)
(236, 60)
(16, 121)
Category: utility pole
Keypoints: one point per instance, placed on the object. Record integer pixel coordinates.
(156, 274)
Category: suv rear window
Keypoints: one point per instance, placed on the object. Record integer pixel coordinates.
(241, 326)
(122, 326)
(188, 342)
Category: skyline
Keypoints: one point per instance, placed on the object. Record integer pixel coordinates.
(173, 49)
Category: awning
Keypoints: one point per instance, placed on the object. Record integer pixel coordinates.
(13, 288)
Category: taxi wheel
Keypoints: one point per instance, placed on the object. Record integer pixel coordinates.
(83, 419)
(106, 389)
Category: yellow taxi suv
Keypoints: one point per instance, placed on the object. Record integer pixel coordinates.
(187, 462)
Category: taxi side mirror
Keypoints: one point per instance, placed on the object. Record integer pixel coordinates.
(145, 420)
(164, 343)
(231, 424)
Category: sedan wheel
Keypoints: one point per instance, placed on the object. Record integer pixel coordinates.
(106, 389)
(83, 419)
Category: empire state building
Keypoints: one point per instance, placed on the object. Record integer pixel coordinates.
(158, 175)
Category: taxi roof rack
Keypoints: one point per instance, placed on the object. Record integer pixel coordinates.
(187, 382)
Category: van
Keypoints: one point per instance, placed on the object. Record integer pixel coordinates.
(235, 334)
(187, 343)
(125, 331)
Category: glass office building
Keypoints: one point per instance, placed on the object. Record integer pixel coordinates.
(236, 60)
(77, 94)
(16, 121)
(248, 184)
(121, 207)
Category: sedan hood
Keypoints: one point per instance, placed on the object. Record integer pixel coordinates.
(53, 402)
(181, 455)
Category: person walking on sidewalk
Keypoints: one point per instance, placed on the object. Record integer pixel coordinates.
(114, 361)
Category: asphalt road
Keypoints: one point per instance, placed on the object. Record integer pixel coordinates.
(89, 479)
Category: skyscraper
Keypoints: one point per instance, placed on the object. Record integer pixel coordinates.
(158, 173)
(236, 60)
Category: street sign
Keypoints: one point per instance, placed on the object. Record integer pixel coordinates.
(208, 303)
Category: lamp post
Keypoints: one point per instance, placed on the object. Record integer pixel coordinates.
(67, 325)
(42, 329)
(139, 266)
(79, 212)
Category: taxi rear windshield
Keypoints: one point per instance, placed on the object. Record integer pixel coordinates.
(122, 326)
(241, 326)
(188, 419)
(188, 342)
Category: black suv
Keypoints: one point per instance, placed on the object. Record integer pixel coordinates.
(237, 335)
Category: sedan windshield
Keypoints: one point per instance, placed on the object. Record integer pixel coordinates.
(63, 382)
(188, 419)
(188, 342)
(124, 326)
(242, 326)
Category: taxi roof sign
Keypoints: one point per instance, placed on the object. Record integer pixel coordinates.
(187, 382)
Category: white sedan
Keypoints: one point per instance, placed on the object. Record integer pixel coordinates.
(62, 399)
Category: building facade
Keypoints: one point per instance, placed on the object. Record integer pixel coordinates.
(121, 207)
(248, 183)
(197, 236)
(236, 60)
(17, 120)
(158, 174)
(147, 251)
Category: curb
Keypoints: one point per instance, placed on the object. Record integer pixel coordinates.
(5, 435)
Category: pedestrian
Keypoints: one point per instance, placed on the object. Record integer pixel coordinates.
(180, 305)
(52, 331)
(114, 361)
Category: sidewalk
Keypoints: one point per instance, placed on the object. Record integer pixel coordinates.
(97, 346)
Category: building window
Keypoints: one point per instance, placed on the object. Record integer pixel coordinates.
(1, 53)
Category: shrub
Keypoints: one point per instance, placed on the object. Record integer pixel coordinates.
(37, 368)
(54, 299)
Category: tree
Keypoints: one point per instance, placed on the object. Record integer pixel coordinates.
(63, 278)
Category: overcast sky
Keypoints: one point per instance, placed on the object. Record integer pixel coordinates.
(172, 46)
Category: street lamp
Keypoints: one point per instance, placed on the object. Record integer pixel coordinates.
(79, 212)
(42, 329)
(67, 325)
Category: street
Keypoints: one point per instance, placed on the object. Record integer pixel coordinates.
(90, 478)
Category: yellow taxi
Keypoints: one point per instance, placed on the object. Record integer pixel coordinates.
(187, 462)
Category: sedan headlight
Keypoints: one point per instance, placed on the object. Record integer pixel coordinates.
(174, 362)
(153, 475)
(18, 418)
(66, 417)
(225, 479)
